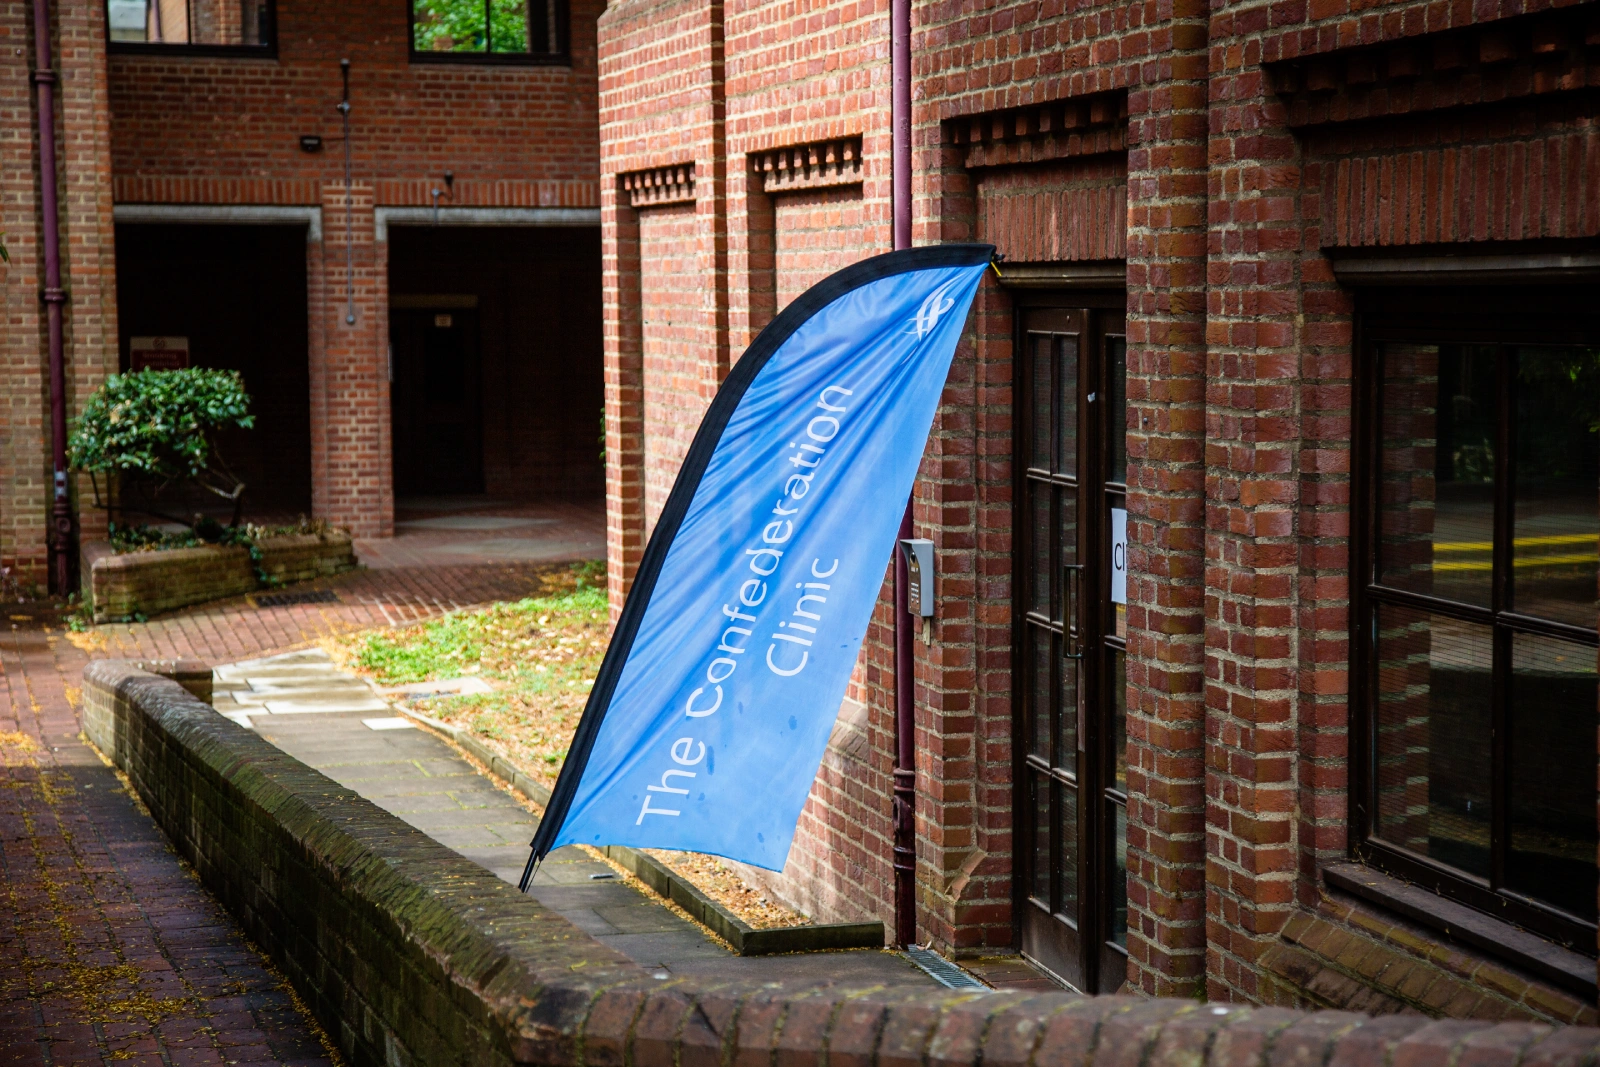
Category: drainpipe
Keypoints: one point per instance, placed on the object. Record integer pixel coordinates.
(905, 759)
(55, 299)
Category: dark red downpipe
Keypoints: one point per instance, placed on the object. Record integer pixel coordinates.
(905, 719)
(55, 299)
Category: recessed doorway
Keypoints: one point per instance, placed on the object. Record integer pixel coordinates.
(1070, 724)
(231, 297)
(497, 362)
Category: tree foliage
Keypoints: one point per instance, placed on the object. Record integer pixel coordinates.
(458, 26)
(157, 425)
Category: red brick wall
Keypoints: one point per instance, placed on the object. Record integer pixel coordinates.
(1008, 93)
(799, 76)
(816, 234)
(192, 130)
(240, 119)
(1493, 180)
(1048, 212)
(1334, 129)
(90, 318)
(662, 113)
(1218, 151)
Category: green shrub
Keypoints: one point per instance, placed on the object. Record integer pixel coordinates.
(156, 427)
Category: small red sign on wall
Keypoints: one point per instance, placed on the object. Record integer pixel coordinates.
(158, 353)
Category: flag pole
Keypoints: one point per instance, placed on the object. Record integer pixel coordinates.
(905, 773)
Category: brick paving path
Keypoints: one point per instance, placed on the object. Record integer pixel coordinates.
(110, 952)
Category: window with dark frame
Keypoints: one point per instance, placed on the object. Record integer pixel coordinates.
(243, 27)
(1476, 699)
(477, 31)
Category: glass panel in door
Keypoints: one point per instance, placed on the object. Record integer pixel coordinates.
(1051, 636)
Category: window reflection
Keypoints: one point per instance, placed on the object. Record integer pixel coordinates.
(1067, 742)
(1068, 863)
(1044, 655)
(1557, 507)
(1553, 717)
(1040, 889)
(1432, 759)
(1436, 491)
(1118, 696)
(1040, 535)
(1040, 457)
(238, 23)
(1483, 717)
(1067, 406)
(500, 27)
(1119, 875)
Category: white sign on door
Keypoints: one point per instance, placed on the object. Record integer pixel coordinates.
(1119, 555)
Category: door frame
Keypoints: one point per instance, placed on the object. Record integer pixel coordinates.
(1094, 908)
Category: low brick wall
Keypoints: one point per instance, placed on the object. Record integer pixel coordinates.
(144, 583)
(411, 955)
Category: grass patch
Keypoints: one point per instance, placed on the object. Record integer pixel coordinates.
(541, 655)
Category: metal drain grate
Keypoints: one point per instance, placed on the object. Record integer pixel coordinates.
(941, 970)
(278, 600)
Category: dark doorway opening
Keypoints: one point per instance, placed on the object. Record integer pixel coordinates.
(437, 399)
(237, 296)
(497, 361)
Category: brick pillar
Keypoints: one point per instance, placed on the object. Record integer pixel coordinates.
(1166, 512)
(87, 233)
(1254, 643)
(90, 322)
(965, 840)
(624, 405)
(352, 469)
(752, 256)
(665, 256)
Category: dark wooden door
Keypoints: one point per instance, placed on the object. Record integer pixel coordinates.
(437, 401)
(1071, 637)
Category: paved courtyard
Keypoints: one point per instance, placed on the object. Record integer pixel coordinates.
(110, 951)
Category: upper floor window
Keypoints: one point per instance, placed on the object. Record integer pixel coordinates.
(215, 26)
(1476, 699)
(495, 31)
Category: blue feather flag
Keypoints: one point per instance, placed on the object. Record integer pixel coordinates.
(717, 695)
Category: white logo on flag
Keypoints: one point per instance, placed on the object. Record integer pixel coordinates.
(932, 310)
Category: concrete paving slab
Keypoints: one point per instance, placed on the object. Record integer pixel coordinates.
(323, 707)
(252, 697)
(452, 686)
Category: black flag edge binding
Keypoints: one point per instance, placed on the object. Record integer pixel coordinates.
(706, 439)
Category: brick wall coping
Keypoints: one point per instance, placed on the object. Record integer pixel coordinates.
(107, 558)
(410, 954)
(119, 585)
